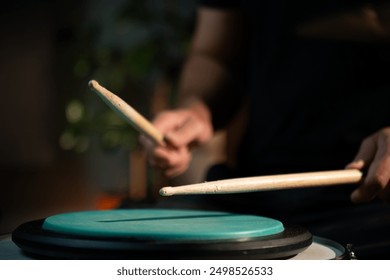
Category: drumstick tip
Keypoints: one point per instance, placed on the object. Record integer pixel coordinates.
(166, 191)
(92, 84)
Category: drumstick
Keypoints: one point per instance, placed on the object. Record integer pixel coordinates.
(268, 183)
(128, 113)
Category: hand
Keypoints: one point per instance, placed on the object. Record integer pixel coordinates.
(183, 129)
(373, 155)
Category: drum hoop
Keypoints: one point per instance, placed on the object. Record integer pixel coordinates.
(333, 245)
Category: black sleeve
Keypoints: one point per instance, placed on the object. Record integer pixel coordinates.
(219, 4)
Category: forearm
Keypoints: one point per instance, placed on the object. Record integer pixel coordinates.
(211, 84)
(209, 77)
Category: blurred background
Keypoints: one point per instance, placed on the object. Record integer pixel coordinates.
(62, 149)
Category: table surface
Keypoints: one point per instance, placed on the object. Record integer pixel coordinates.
(9, 250)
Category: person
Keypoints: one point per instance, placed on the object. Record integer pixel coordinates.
(309, 102)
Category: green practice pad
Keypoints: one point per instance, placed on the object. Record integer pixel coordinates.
(163, 224)
(160, 234)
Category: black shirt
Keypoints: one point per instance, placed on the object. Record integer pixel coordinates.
(312, 100)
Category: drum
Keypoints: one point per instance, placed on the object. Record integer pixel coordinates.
(160, 234)
(324, 249)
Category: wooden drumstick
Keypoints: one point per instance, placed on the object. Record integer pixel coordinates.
(128, 113)
(268, 183)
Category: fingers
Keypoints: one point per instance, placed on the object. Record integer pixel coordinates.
(376, 184)
(191, 133)
(357, 164)
(380, 176)
(374, 155)
(172, 161)
(362, 160)
(182, 129)
(366, 153)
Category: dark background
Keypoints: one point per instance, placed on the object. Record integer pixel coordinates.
(61, 148)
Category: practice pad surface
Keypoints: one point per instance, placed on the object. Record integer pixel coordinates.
(163, 224)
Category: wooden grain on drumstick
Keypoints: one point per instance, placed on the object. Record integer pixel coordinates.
(128, 113)
(268, 183)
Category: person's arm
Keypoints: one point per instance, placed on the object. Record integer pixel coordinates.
(213, 69)
(207, 95)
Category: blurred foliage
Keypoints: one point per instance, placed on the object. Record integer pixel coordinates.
(127, 46)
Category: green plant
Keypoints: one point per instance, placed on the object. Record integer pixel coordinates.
(127, 46)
